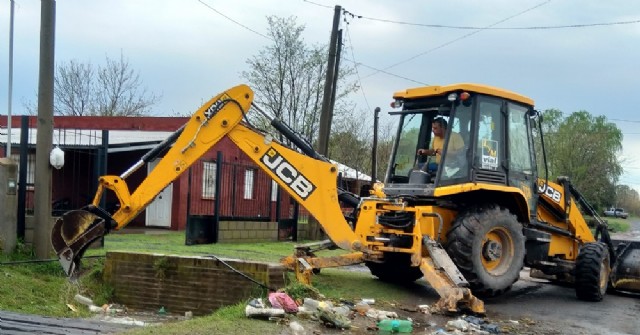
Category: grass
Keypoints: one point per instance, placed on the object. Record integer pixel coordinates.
(174, 243)
(617, 225)
(42, 288)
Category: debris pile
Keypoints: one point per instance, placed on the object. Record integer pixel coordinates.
(363, 313)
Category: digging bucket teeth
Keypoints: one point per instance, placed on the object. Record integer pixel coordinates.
(75, 231)
(625, 275)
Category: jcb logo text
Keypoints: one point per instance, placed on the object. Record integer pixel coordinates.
(550, 192)
(288, 174)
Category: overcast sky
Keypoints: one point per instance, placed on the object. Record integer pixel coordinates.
(189, 50)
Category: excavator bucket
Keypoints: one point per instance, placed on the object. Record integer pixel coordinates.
(74, 232)
(625, 275)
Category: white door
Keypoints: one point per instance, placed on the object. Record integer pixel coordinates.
(159, 210)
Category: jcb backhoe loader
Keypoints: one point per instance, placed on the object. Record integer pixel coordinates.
(467, 220)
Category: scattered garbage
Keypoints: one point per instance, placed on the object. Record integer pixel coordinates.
(395, 326)
(72, 308)
(257, 309)
(482, 324)
(188, 315)
(381, 315)
(458, 324)
(333, 319)
(368, 301)
(361, 307)
(296, 328)
(283, 301)
(83, 300)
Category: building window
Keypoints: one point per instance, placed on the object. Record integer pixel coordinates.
(248, 184)
(274, 191)
(209, 180)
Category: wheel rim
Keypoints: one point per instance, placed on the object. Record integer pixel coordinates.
(497, 251)
(604, 275)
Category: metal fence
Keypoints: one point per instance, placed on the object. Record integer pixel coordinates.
(242, 191)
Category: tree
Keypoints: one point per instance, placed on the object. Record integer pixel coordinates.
(627, 198)
(112, 90)
(73, 88)
(350, 143)
(587, 150)
(288, 78)
(119, 91)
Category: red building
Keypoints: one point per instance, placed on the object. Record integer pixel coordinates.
(95, 146)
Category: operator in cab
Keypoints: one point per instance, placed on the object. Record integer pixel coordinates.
(439, 129)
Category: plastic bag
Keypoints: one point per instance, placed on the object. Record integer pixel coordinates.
(282, 300)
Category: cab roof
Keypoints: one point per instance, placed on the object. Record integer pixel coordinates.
(427, 91)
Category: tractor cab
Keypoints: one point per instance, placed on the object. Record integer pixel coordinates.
(485, 138)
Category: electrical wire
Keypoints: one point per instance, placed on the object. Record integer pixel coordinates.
(356, 67)
(461, 37)
(568, 26)
(234, 21)
(241, 273)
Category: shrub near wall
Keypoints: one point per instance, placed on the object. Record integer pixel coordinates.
(181, 284)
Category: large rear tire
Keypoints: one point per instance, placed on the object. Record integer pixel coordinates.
(487, 245)
(592, 271)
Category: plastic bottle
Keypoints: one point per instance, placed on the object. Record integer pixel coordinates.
(395, 326)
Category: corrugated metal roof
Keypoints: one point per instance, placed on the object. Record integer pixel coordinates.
(351, 173)
(88, 137)
(93, 138)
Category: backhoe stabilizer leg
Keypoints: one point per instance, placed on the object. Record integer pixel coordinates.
(304, 266)
(440, 272)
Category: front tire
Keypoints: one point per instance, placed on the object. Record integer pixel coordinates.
(592, 271)
(487, 245)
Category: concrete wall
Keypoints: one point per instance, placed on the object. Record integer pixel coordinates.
(251, 231)
(8, 205)
(180, 284)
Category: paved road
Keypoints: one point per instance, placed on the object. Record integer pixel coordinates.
(20, 324)
(557, 307)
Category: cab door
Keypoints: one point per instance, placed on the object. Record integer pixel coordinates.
(521, 170)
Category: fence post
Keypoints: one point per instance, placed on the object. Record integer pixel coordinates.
(22, 176)
(218, 195)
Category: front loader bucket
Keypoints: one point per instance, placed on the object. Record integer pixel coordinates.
(74, 232)
(625, 275)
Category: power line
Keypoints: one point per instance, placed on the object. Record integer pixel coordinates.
(234, 21)
(356, 67)
(318, 4)
(387, 73)
(426, 25)
(462, 37)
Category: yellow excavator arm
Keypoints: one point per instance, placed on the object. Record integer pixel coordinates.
(312, 181)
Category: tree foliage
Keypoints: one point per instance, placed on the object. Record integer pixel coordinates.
(350, 144)
(80, 89)
(586, 149)
(627, 198)
(288, 78)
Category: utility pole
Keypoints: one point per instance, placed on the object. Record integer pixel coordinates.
(8, 150)
(374, 149)
(42, 196)
(326, 113)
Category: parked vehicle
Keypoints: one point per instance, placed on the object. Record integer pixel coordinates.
(616, 213)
